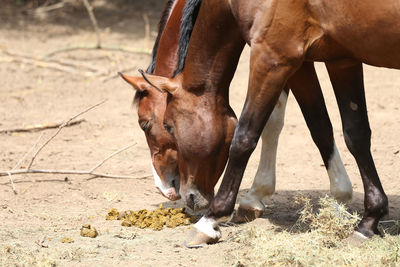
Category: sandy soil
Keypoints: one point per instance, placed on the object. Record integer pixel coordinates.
(48, 208)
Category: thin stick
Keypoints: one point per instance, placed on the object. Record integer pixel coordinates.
(27, 153)
(146, 29)
(98, 175)
(49, 65)
(110, 156)
(94, 47)
(19, 162)
(36, 128)
(91, 172)
(73, 172)
(89, 9)
(45, 9)
(12, 184)
(60, 128)
(59, 65)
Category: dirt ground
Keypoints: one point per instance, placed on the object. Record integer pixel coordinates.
(50, 207)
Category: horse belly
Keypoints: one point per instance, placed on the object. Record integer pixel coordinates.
(367, 30)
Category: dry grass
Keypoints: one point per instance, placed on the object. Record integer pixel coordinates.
(19, 255)
(317, 239)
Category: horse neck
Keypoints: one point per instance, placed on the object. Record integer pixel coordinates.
(167, 52)
(214, 50)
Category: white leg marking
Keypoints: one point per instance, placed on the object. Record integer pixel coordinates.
(209, 227)
(264, 181)
(340, 187)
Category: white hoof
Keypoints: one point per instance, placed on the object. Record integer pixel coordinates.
(205, 231)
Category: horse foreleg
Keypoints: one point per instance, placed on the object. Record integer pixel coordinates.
(348, 84)
(307, 91)
(269, 71)
(306, 88)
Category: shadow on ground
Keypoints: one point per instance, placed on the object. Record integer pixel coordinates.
(282, 211)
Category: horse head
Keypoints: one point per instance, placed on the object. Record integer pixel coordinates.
(202, 128)
(151, 107)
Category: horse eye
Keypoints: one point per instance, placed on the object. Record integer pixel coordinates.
(145, 125)
(168, 128)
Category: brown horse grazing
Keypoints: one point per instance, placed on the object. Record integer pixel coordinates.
(251, 205)
(284, 36)
(152, 104)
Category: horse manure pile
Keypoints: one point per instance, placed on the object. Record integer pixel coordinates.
(155, 219)
(88, 231)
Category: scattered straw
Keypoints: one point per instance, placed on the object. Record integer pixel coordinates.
(332, 221)
(16, 255)
(320, 241)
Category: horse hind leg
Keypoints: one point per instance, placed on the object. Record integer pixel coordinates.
(307, 91)
(347, 81)
(251, 206)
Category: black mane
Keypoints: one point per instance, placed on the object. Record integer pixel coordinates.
(161, 26)
(189, 16)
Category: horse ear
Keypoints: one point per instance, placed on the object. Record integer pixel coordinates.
(136, 82)
(163, 84)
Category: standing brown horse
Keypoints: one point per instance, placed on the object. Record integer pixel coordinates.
(264, 183)
(284, 36)
(152, 104)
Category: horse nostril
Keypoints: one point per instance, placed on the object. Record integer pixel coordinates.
(191, 197)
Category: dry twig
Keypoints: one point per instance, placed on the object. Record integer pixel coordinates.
(12, 183)
(92, 172)
(77, 172)
(73, 172)
(110, 156)
(41, 127)
(47, 8)
(103, 47)
(67, 66)
(89, 9)
(60, 128)
(99, 45)
(19, 162)
(146, 30)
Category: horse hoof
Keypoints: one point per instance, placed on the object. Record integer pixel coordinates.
(199, 239)
(246, 215)
(356, 239)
